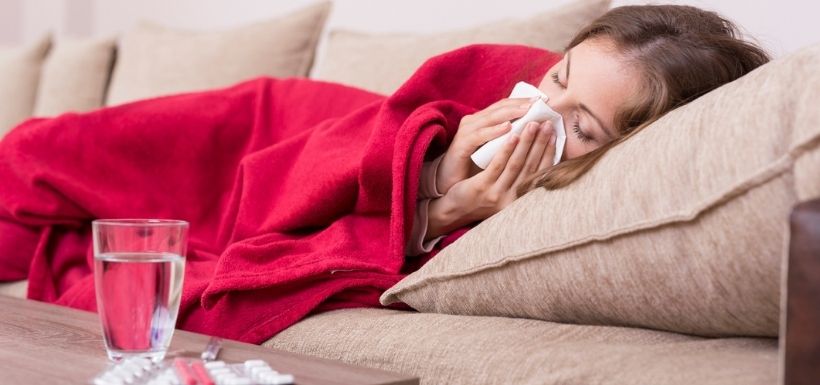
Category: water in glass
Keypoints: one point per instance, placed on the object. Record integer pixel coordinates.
(138, 296)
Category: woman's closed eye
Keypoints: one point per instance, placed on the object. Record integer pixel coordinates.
(576, 126)
(555, 80)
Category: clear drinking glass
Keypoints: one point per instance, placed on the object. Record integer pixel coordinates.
(138, 272)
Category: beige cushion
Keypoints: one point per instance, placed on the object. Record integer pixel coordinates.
(19, 74)
(682, 227)
(75, 76)
(381, 63)
(454, 350)
(17, 289)
(153, 60)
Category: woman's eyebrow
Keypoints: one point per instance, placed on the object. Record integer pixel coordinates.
(586, 109)
(566, 76)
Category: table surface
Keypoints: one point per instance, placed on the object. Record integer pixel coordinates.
(42, 343)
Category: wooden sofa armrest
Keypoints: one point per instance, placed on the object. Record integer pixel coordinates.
(802, 344)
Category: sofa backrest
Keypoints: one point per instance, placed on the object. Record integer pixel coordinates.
(152, 60)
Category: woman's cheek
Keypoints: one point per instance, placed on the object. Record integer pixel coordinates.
(571, 149)
(551, 90)
(575, 148)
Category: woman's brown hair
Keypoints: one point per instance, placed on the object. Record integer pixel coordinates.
(681, 53)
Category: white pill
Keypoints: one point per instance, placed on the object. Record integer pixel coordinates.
(126, 376)
(168, 374)
(252, 363)
(284, 379)
(118, 368)
(108, 381)
(219, 371)
(111, 375)
(257, 370)
(172, 380)
(166, 379)
(267, 378)
(145, 364)
(225, 377)
(132, 367)
(215, 364)
(270, 375)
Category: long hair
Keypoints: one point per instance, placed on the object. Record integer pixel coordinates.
(680, 52)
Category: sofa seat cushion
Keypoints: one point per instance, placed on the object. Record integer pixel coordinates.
(16, 289)
(455, 349)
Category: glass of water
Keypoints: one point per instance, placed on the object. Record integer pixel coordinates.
(138, 272)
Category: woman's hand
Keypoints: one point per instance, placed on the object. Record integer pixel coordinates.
(473, 131)
(486, 193)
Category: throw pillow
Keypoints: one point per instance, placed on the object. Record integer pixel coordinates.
(154, 60)
(381, 63)
(75, 76)
(19, 74)
(682, 227)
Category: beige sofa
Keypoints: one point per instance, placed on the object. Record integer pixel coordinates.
(679, 284)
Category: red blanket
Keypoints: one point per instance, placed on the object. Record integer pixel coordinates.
(299, 193)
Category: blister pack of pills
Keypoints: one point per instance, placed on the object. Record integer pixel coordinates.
(142, 371)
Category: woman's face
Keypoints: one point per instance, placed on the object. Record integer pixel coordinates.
(588, 87)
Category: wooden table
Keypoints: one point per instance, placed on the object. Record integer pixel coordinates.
(47, 344)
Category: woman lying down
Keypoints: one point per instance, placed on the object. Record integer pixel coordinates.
(305, 196)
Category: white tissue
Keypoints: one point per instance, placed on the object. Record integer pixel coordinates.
(538, 112)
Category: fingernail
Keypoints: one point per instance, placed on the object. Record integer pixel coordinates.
(534, 98)
(552, 140)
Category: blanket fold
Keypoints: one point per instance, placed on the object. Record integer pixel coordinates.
(300, 193)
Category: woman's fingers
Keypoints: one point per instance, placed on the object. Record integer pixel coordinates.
(499, 161)
(539, 148)
(487, 134)
(506, 103)
(475, 139)
(504, 111)
(517, 160)
(549, 153)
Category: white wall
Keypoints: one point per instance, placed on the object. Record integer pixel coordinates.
(782, 26)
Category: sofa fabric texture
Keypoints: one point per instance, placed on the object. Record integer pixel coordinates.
(74, 76)
(680, 228)
(153, 60)
(382, 62)
(19, 76)
(453, 350)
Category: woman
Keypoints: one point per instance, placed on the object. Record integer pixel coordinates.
(301, 195)
(620, 73)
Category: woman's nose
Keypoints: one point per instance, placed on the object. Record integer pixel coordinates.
(558, 104)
